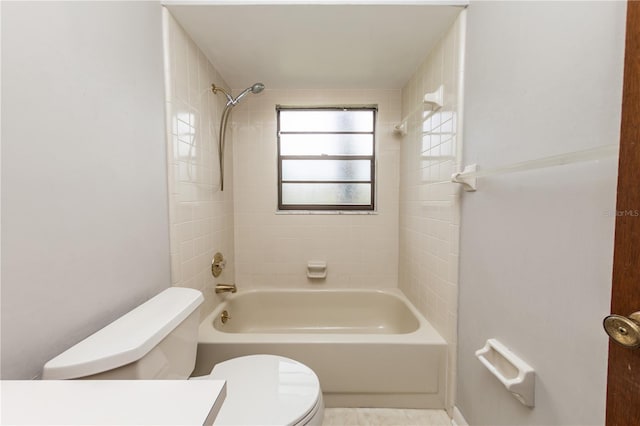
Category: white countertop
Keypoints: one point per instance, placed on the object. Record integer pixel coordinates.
(113, 402)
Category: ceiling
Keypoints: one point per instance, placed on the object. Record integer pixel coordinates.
(315, 46)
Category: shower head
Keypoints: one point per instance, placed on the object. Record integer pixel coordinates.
(255, 89)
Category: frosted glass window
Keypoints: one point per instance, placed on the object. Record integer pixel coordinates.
(326, 158)
(326, 193)
(330, 120)
(322, 170)
(326, 144)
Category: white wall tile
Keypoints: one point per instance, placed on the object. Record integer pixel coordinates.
(273, 249)
(201, 215)
(429, 206)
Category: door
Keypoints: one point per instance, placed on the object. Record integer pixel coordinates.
(623, 384)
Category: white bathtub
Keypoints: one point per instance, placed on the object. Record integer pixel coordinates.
(370, 348)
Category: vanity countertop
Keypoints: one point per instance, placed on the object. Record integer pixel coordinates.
(112, 402)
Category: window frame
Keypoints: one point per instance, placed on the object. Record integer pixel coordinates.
(327, 207)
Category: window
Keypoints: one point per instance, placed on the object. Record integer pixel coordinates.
(326, 158)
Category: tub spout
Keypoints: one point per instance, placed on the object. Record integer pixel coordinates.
(225, 288)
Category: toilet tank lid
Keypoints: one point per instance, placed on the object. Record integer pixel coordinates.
(128, 338)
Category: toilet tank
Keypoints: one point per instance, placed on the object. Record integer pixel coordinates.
(156, 340)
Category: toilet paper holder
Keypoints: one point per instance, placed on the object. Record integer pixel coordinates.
(515, 374)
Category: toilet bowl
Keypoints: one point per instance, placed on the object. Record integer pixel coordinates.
(281, 390)
(158, 340)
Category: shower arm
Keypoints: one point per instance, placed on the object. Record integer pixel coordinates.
(230, 99)
(242, 95)
(215, 89)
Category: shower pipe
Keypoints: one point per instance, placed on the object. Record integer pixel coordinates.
(231, 102)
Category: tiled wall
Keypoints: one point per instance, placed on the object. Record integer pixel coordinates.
(429, 203)
(272, 249)
(201, 216)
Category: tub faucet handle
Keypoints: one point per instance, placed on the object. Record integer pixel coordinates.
(218, 264)
(226, 288)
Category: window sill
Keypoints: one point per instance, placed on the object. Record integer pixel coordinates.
(327, 212)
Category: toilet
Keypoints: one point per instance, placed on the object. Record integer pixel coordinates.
(159, 339)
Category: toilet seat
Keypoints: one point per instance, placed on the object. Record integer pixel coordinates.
(268, 390)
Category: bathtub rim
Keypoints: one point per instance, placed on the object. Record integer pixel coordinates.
(425, 333)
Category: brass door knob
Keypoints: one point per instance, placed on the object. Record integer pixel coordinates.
(624, 330)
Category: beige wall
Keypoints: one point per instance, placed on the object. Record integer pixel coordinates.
(272, 249)
(429, 202)
(201, 216)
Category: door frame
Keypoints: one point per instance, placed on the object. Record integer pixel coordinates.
(623, 378)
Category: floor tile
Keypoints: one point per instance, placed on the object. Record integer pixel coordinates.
(428, 417)
(384, 417)
(340, 417)
(381, 417)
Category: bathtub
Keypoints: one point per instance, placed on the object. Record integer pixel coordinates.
(369, 348)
